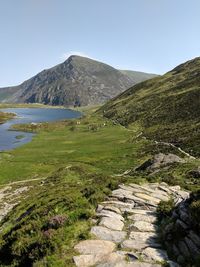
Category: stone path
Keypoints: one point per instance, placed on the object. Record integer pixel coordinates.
(125, 230)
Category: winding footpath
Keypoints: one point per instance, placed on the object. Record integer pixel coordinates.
(125, 233)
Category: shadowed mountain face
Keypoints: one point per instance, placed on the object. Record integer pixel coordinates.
(77, 81)
(167, 106)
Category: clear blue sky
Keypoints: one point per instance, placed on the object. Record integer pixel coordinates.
(147, 35)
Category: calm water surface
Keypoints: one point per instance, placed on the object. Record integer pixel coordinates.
(9, 139)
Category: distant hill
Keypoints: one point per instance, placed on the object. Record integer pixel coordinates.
(77, 81)
(138, 76)
(167, 107)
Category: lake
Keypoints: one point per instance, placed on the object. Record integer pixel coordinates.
(12, 139)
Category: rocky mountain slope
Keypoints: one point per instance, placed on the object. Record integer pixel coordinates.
(166, 107)
(77, 81)
(138, 76)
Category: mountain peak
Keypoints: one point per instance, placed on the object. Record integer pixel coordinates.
(82, 78)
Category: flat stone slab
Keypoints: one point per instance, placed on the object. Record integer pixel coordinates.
(87, 260)
(133, 264)
(145, 218)
(119, 204)
(139, 244)
(104, 233)
(139, 211)
(91, 260)
(121, 192)
(108, 213)
(160, 195)
(147, 198)
(134, 244)
(143, 226)
(145, 188)
(112, 223)
(95, 247)
(154, 254)
(143, 236)
(112, 208)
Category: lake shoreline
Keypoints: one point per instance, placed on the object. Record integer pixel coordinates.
(5, 116)
(25, 122)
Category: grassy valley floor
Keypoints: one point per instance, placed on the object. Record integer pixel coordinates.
(79, 162)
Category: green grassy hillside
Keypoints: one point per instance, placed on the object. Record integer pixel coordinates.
(70, 166)
(166, 107)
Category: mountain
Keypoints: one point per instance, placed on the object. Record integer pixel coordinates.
(77, 81)
(138, 76)
(166, 107)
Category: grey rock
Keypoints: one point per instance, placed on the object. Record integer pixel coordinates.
(102, 259)
(112, 208)
(159, 161)
(173, 264)
(145, 218)
(154, 254)
(119, 204)
(195, 238)
(143, 226)
(77, 81)
(183, 249)
(94, 247)
(181, 259)
(112, 223)
(191, 246)
(175, 250)
(181, 224)
(108, 213)
(104, 233)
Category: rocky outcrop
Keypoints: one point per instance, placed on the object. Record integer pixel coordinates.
(160, 161)
(181, 235)
(127, 223)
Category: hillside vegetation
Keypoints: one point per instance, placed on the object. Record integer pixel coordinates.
(166, 107)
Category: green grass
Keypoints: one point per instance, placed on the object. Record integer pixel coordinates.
(106, 148)
(166, 107)
(4, 116)
(79, 159)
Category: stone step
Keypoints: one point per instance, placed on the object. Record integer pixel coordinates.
(132, 264)
(145, 218)
(139, 245)
(154, 255)
(104, 233)
(142, 226)
(111, 214)
(119, 204)
(143, 236)
(112, 223)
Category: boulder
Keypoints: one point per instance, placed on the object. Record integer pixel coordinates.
(159, 161)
